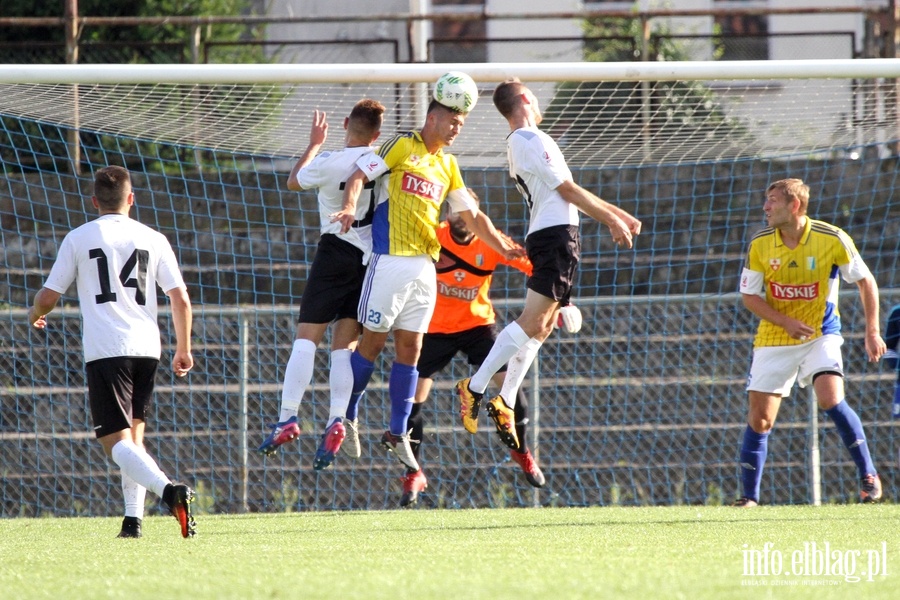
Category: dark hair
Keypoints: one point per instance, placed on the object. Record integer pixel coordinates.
(435, 105)
(366, 117)
(112, 186)
(506, 96)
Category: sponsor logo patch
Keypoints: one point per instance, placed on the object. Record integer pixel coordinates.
(794, 292)
(414, 184)
(467, 294)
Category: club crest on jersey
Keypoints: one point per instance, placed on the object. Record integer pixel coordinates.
(810, 262)
(413, 184)
(459, 275)
(774, 263)
(479, 260)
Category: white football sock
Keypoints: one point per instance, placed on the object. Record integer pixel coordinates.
(340, 379)
(516, 370)
(508, 343)
(134, 495)
(138, 465)
(297, 376)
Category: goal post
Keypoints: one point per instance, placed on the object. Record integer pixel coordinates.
(646, 405)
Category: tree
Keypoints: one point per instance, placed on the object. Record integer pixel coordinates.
(637, 121)
(26, 144)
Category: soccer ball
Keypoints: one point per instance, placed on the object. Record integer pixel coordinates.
(456, 91)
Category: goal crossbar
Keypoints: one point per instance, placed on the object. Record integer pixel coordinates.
(413, 73)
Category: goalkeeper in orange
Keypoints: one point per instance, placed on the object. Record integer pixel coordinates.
(463, 322)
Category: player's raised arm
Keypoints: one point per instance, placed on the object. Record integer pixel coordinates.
(318, 133)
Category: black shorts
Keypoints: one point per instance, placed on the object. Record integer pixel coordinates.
(334, 283)
(554, 252)
(119, 390)
(438, 349)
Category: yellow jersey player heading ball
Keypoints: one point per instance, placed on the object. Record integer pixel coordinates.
(456, 91)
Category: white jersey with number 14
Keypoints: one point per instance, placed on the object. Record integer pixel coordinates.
(116, 263)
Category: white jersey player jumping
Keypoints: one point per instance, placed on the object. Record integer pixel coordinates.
(552, 245)
(334, 283)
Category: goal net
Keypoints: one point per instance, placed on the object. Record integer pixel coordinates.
(646, 405)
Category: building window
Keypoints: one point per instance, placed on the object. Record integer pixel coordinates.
(742, 37)
(449, 38)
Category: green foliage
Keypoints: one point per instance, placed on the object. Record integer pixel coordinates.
(622, 40)
(132, 35)
(46, 144)
(651, 115)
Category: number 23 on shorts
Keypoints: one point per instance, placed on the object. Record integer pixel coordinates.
(373, 317)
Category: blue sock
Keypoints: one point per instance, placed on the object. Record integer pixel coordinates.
(362, 372)
(850, 428)
(753, 457)
(402, 389)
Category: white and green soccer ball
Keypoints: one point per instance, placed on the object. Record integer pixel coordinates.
(456, 91)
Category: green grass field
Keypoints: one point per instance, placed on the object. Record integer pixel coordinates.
(678, 552)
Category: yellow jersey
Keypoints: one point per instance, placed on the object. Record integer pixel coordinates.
(801, 282)
(410, 196)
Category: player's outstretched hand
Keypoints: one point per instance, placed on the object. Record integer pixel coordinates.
(512, 249)
(345, 217)
(621, 233)
(318, 131)
(634, 225)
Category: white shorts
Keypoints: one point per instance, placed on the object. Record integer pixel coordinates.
(775, 368)
(399, 292)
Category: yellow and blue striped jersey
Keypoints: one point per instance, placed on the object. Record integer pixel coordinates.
(801, 282)
(413, 185)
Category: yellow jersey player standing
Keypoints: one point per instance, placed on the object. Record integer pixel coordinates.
(413, 177)
(790, 281)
